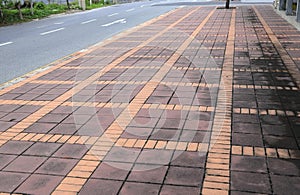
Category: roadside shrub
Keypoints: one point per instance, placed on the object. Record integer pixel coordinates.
(40, 5)
(9, 4)
(40, 10)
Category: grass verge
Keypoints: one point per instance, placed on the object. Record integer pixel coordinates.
(41, 10)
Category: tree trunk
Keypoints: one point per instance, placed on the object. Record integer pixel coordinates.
(298, 11)
(19, 8)
(1, 14)
(31, 7)
(68, 4)
(227, 4)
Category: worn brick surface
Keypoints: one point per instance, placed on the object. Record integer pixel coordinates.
(197, 101)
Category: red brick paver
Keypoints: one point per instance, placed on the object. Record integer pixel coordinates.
(199, 100)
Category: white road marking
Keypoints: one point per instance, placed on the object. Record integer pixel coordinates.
(7, 43)
(114, 14)
(142, 5)
(129, 10)
(89, 21)
(52, 31)
(56, 23)
(115, 22)
(42, 26)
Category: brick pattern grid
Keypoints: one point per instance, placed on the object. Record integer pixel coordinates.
(155, 139)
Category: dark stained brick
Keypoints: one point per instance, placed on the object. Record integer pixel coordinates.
(284, 166)
(143, 122)
(245, 193)
(119, 154)
(112, 170)
(242, 118)
(246, 128)
(179, 190)
(160, 157)
(8, 108)
(165, 134)
(65, 128)
(53, 118)
(184, 176)
(250, 182)
(78, 119)
(4, 125)
(71, 151)
(279, 130)
(6, 159)
(15, 147)
(28, 108)
(195, 136)
(285, 184)
(57, 166)
(188, 159)
(197, 125)
(280, 142)
(42, 149)
(27, 164)
(10, 181)
(248, 164)
(39, 184)
(99, 186)
(131, 188)
(15, 116)
(170, 124)
(148, 173)
(40, 128)
(247, 139)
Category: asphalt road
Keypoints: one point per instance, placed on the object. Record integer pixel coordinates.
(28, 46)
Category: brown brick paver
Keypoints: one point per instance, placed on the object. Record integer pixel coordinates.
(197, 101)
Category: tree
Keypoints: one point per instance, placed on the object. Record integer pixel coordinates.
(18, 4)
(1, 11)
(31, 7)
(227, 4)
(68, 4)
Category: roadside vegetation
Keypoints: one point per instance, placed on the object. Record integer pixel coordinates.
(16, 11)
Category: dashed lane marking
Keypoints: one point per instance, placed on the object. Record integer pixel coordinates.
(123, 20)
(89, 21)
(129, 10)
(114, 14)
(52, 31)
(6, 43)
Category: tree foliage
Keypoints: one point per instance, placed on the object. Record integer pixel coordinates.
(15, 11)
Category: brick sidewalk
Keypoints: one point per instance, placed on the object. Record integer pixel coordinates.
(199, 100)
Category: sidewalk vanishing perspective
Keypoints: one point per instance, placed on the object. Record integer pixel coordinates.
(197, 101)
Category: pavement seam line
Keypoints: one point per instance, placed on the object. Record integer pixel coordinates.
(286, 58)
(133, 83)
(202, 108)
(122, 142)
(114, 131)
(221, 130)
(26, 122)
